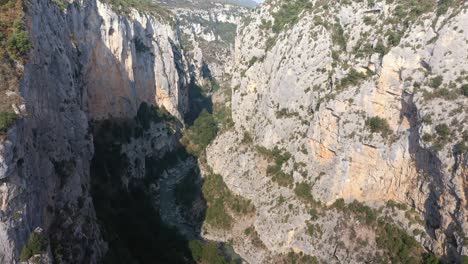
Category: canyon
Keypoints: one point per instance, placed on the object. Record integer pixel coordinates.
(301, 131)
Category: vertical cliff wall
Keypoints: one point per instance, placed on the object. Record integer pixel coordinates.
(87, 63)
(348, 100)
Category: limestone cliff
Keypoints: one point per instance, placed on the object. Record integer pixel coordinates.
(353, 100)
(88, 63)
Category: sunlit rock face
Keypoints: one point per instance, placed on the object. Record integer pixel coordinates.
(316, 88)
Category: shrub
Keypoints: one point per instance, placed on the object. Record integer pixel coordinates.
(7, 119)
(37, 243)
(256, 240)
(206, 253)
(393, 38)
(464, 259)
(392, 204)
(338, 36)
(465, 89)
(302, 191)
(219, 198)
(288, 13)
(62, 4)
(443, 6)
(275, 170)
(436, 82)
(18, 44)
(252, 61)
(314, 230)
(460, 148)
(339, 204)
(352, 78)
(379, 125)
(200, 135)
(398, 245)
(300, 258)
(430, 258)
(443, 131)
(247, 139)
(363, 212)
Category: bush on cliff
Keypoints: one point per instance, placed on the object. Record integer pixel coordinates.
(37, 243)
(200, 135)
(7, 119)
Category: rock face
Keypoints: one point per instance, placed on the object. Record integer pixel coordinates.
(367, 110)
(209, 32)
(88, 63)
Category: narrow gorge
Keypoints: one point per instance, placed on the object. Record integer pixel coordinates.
(198, 131)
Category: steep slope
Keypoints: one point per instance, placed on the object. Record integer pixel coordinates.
(87, 63)
(348, 101)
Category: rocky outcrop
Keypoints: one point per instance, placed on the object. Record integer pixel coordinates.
(367, 110)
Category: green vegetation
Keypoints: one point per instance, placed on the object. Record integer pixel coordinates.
(62, 4)
(125, 6)
(436, 82)
(430, 258)
(363, 212)
(392, 204)
(443, 131)
(314, 230)
(18, 43)
(405, 13)
(247, 139)
(252, 233)
(443, 6)
(206, 252)
(275, 170)
(289, 13)
(37, 244)
(465, 90)
(465, 259)
(379, 125)
(14, 38)
(200, 134)
(394, 37)
(299, 258)
(223, 116)
(400, 247)
(285, 113)
(302, 190)
(441, 93)
(6, 121)
(352, 78)
(338, 36)
(221, 201)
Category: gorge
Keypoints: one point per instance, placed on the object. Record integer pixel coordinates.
(301, 131)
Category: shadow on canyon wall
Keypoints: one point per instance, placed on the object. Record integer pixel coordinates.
(134, 210)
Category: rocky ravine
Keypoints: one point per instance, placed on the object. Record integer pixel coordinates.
(365, 101)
